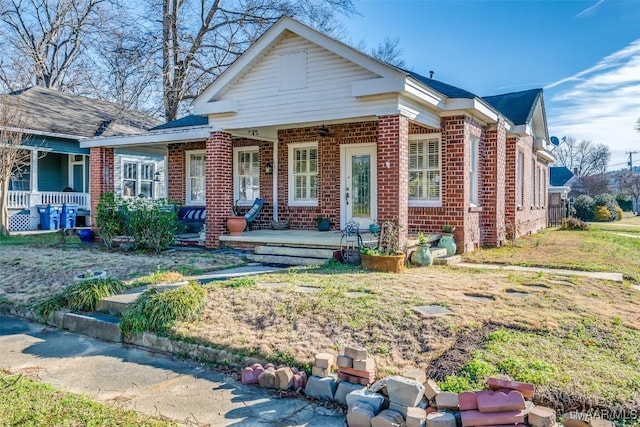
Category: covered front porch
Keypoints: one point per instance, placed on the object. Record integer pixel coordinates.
(292, 238)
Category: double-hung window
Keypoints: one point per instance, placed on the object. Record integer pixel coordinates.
(473, 172)
(195, 177)
(424, 170)
(246, 182)
(520, 180)
(137, 178)
(303, 174)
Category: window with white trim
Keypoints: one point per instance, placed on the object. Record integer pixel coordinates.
(303, 174)
(424, 170)
(246, 180)
(533, 182)
(473, 172)
(539, 201)
(137, 178)
(520, 180)
(195, 186)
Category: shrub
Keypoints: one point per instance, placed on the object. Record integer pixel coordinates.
(583, 206)
(151, 223)
(110, 220)
(83, 296)
(620, 213)
(609, 202)
(601, 214)
(573, 224)
(625, 202)
(157, 311)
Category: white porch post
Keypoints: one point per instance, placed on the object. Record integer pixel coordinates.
(275, 180)
(34, 171)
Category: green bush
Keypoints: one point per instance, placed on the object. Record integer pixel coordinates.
(151, 223)
(625, 202)
(110, 219)
(157, 311)
(609, 202)
(620, 213)
(601, 214)
(82, 296)
(583, 206)
(573, 224)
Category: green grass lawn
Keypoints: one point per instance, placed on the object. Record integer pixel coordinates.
(24, 402)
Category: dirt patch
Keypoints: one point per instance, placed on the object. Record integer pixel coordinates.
(30, 274)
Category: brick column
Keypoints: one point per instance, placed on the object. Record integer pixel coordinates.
(219, 185)
(493, 187)
(101, 163)
(454, 176)
(393, 171)
(176, 174)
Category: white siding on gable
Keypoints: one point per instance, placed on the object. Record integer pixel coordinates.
(326, 93)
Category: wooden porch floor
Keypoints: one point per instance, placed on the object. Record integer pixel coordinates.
(296, 238)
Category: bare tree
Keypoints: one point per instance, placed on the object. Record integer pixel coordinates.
(200, 39)
(630, 184)
(13, 156)
(49, 36)
(389, 51)
(585, 157)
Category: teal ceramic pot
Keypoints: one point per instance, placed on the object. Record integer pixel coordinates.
(374, 228)
(449, 243)
(324, 225)
(422, 256)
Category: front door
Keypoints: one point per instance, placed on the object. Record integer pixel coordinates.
(358, 184)
(76, 172)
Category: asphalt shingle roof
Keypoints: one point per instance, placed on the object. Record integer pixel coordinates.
(50, 111)
(443, 88)
(559, 176)
(186, 121)
(516, 106)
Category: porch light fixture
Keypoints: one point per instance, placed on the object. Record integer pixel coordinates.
(268, 169)
(156, 177)
(323, 130)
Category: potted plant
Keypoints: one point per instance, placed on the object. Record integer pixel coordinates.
(323, 222)
(374, 227)
(422, 254)
(387, 256)
(447, 241)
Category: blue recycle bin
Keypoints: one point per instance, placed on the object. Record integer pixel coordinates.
(49, 216)
(68, 215)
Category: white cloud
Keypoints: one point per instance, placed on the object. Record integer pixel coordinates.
(601, 103)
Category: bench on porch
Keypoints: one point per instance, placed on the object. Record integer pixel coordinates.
(192, 218)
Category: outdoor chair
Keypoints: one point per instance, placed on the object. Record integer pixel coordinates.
(252, 213)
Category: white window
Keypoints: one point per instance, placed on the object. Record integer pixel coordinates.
(533, 182)
(424, 170)
(195, 177)
(539, 201)
(473, 172)
(303, 174)
(137, 178)
(246, 180)
(520, 180)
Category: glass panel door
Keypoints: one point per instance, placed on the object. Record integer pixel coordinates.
(361, 186)
(358, 185)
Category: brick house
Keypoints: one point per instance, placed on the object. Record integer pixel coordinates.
(320, 128)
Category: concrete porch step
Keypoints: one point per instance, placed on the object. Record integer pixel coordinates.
(295, 251)
(286, 260)
(96, 325)
(447, 260)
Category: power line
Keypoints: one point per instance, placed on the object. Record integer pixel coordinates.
(631, 153)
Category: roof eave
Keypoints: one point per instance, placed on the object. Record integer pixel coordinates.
(163, 136)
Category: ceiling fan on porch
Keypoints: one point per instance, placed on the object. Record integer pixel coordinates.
(324, 132)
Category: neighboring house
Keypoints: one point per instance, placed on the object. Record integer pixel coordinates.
(560, 181)
(60, 171)
(320, 128)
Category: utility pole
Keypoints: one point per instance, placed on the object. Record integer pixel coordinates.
(631, 153)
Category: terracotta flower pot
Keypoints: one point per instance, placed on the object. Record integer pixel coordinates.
(236, 225)
(383, 263)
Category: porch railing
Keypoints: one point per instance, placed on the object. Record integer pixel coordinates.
(27, 199)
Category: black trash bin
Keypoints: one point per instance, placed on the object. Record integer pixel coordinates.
(68, 215)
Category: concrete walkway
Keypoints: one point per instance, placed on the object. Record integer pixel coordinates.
(148, 382)
(616, 277)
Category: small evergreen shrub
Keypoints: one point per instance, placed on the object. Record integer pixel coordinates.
(601, 214)
(609, 202)
(82, 296)
(151, 223)
(110, 219)
(157, 311)
(573, 224)
(583, 206)
(620, 213)
(625, 202)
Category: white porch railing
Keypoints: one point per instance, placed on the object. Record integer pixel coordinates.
(27, 199)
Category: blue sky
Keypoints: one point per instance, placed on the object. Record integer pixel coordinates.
(585, 54)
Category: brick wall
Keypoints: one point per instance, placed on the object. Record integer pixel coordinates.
(101, 167)
(176, 173)
(219, 188)
(493, 186)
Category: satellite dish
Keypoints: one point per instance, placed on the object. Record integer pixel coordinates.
(555, 141)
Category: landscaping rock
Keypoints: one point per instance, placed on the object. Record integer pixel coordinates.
(497, 401)
(320, 372)
(601, 422)
(416, 417)
(344, 361)
(468, 400)
(416, 374)
(575, 419)
(527, 390)
(477, 418)
(267, 379)
(284, 378)
(447, 400)
(388, 418)
(362, 396)
(404, 391)
(367, 365)
(323, 388)
(431, 389)
(541, 416)
(456, 415)
(356, 353)
(379, 386)
(399, 408)
(299, 380)
(250, 374)
(344, 388)
(368, 375)
(324, 360)
(440, 419)
(360, 415)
